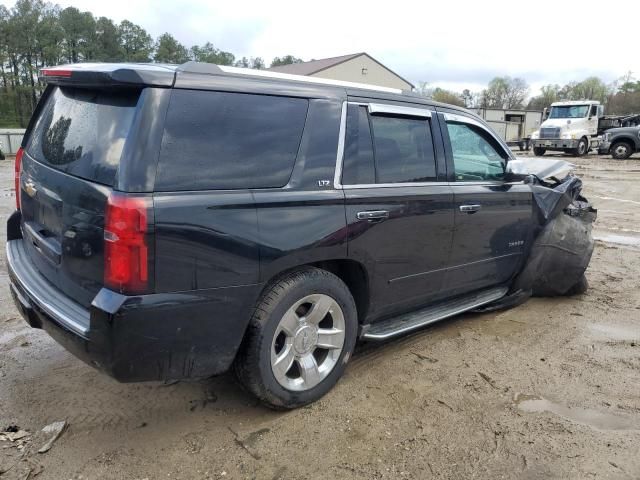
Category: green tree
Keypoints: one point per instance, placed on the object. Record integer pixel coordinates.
(505, 92)
(286, 60)
(107, 41)
(135, 42)
(169, 50)
(207, 53)
(79, 34)
(256, 63)
(548, 94)
(446, 96)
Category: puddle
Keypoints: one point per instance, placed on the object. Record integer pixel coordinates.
(618, 239)
(584, 416)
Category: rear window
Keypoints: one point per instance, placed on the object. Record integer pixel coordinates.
(82, 132)
(219, 140)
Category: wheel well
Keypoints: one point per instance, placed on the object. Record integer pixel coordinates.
(355, 277)
(352, 273)
(627, 140)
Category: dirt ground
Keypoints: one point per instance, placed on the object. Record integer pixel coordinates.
(550, 389)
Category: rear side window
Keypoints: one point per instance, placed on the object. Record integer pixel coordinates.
(82, 132)
(219, 140)
(403, 150)
(386, 149)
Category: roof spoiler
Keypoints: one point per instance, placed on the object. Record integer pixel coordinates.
(110, 75)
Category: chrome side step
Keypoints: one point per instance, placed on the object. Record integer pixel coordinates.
(412, 321)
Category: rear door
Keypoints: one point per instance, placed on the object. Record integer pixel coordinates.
(398, 206)
(69, 168)
(493, 218)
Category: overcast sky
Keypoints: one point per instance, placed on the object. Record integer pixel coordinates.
(453, 44)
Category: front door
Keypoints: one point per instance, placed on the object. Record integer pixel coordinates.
(493, 218)
(398, 206)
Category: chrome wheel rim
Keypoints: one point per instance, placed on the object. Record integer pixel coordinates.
(307, 342)
(582, 148)
(621, 150)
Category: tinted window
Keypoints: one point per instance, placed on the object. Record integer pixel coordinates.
(358, 165)
(475, 157)
(403, 150)
(82, 132)
(216, 140)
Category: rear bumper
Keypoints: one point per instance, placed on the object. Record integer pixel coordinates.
(136, 338)
(556, 143)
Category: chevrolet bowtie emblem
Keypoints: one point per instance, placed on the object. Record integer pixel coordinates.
(30, 188)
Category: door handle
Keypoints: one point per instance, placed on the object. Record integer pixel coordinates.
(470, 208)
(373, 215)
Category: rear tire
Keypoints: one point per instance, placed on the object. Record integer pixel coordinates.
(621, 150)
(582, 149)
(299, 340)
(539, 151)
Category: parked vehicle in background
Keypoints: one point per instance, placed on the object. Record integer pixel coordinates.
(513, 126)
(621, 143)
(571, 127)
(576, 127)
(177, 221)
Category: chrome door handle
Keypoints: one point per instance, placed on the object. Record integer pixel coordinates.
(470, 208)
(373, 215)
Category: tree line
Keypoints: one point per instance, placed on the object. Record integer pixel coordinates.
(35, 34)
(619, 97)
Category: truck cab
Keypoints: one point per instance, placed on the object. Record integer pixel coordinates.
(571, 127)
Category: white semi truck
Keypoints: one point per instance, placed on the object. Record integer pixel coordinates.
(576, 127)
(571, 127)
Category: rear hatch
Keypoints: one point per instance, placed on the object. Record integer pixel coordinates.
(69, 168)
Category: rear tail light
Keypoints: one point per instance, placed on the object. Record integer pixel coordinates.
(17, 171)
(126, 243)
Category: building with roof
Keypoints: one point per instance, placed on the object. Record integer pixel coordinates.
(357, 67)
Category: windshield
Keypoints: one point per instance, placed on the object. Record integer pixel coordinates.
(569, 111)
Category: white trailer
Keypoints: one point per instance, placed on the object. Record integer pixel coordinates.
(513, 126)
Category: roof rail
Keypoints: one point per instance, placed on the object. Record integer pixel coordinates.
(209, 68)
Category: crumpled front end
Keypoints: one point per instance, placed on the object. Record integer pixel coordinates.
(563, 243)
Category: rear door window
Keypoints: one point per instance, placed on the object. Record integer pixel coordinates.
(220, 140)
(403, 150)
(387, 149)
(82, 132)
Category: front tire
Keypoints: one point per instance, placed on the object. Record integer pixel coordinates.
(582, 149)
(621, 150)
(539, 151)
(299, 340)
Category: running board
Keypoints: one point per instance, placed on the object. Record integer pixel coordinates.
(411, 321)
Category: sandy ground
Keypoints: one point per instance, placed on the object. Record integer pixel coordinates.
(550, 389)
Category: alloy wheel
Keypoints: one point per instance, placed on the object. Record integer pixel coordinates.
(307, 342)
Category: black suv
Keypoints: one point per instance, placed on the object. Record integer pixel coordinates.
(174, 222)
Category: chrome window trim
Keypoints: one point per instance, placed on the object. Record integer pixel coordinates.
(398, 110)
(337, 179)
(391, 185)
